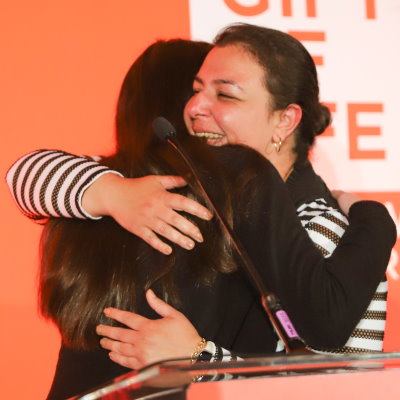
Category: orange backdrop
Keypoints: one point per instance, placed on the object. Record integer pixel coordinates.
(62, 66)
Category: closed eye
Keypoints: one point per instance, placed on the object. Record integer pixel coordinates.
(226, 96)
(195, 91)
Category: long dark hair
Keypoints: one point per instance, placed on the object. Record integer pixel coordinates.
(158, 83)
(290, 77)
(89, 265)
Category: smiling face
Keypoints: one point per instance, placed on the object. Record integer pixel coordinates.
(231, 103)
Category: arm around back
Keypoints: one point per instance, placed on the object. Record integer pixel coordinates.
(324, 297)
(53, 183)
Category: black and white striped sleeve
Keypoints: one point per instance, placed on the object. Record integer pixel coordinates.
(50, 183)
(213, 352)
(325, 226)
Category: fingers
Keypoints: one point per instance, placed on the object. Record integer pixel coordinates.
(345, 200)
(130, 319)
(128, 362)
(336, 193)
(177, 221)
(153, 240)
(182, 203)
(179, 202)
(160, 306)
(126, 349)
(174, 226)
(170, 181)
(156, 217)
(121, 334)
(122, 353)
(120, 342)
(170, 232)
(146, 208)
(148, 234)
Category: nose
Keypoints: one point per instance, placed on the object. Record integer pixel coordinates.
(198, 105)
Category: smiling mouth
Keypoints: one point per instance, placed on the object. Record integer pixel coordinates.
(208, 135)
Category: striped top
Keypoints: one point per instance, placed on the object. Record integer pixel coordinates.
(50, 183)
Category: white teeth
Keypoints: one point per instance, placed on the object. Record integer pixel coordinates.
(208, 135)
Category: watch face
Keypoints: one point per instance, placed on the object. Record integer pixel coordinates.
(205, 355)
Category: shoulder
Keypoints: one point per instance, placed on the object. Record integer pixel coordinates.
(240, 156)
(304, 186)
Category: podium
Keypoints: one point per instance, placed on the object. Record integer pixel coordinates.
(316, 376)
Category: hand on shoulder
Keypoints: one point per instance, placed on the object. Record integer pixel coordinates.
(345, 199)
(145, 207)
(146, 341)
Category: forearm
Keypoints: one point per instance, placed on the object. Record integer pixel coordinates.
(50, 183)
(350, 276)
(326, 225)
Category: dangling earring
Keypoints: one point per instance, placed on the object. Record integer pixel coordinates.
(277, 146)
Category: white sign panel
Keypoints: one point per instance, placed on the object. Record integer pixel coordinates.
(356, 49)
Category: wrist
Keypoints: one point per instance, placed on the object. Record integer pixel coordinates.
(200, 346)
(97, 198)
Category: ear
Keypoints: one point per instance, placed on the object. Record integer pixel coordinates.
(287, 121)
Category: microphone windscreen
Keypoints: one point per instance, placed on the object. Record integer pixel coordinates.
(163, 128)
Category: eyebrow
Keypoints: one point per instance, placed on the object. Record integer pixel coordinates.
(219, 82)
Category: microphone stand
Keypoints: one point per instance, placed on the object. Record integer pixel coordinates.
(270, 302)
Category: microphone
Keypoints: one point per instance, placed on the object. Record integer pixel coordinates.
(164, 129)
(270, 302)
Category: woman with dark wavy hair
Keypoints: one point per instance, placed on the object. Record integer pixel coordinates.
(89, 265)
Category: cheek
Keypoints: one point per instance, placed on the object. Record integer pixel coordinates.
(243, 128)
(230, 122)
(258, 134)
(249, 129)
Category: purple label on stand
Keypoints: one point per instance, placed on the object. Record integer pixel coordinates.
(287, 324)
